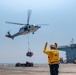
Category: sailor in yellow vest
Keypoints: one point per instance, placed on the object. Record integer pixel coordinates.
(53, 58)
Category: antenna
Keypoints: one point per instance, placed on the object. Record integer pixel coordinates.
(72, 41)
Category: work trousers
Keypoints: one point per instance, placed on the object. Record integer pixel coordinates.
(54, 69)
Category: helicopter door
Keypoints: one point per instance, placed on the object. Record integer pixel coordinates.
(21, 30)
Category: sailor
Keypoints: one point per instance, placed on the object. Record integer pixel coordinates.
(53, 58)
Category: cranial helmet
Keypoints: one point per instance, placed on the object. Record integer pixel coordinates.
(53, 45)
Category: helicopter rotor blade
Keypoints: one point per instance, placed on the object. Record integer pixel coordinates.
(28, 18)
(43, 24)
(15, 23)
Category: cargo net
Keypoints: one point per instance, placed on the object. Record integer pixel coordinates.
(29, 53)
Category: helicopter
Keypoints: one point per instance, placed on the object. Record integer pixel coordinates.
(26, 29)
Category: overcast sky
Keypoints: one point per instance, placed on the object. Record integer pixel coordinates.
(59, 14)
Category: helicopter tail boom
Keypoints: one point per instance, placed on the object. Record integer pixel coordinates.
(9, 35)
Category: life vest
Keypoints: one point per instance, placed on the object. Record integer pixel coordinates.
(55, 56)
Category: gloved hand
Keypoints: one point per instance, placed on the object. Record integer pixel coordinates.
(46, 44)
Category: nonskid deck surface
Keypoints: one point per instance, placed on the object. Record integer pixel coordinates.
(65, 69)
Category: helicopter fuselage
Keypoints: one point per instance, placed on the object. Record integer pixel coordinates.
(28, 29)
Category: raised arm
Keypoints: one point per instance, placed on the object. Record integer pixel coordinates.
(45, 47)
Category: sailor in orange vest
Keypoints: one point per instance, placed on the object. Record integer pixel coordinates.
(53, 58)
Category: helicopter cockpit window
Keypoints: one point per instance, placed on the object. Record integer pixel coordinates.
(29, 26)
(25, 28)
(20, 29)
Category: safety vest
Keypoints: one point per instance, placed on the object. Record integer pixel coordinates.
(54, 57)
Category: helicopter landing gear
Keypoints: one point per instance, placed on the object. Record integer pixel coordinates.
(33, 33)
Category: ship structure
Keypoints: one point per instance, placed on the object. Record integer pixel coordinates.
(70, 52)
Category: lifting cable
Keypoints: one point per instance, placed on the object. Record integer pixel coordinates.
(29, 50)
(29, 53)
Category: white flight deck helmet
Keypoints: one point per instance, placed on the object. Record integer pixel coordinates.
(53, 45)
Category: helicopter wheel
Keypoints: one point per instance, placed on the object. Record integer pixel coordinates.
(33, 33)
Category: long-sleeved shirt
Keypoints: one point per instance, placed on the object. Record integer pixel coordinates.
(53, 55)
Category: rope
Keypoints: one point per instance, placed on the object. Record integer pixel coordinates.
(29, 53)
(29, 50)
